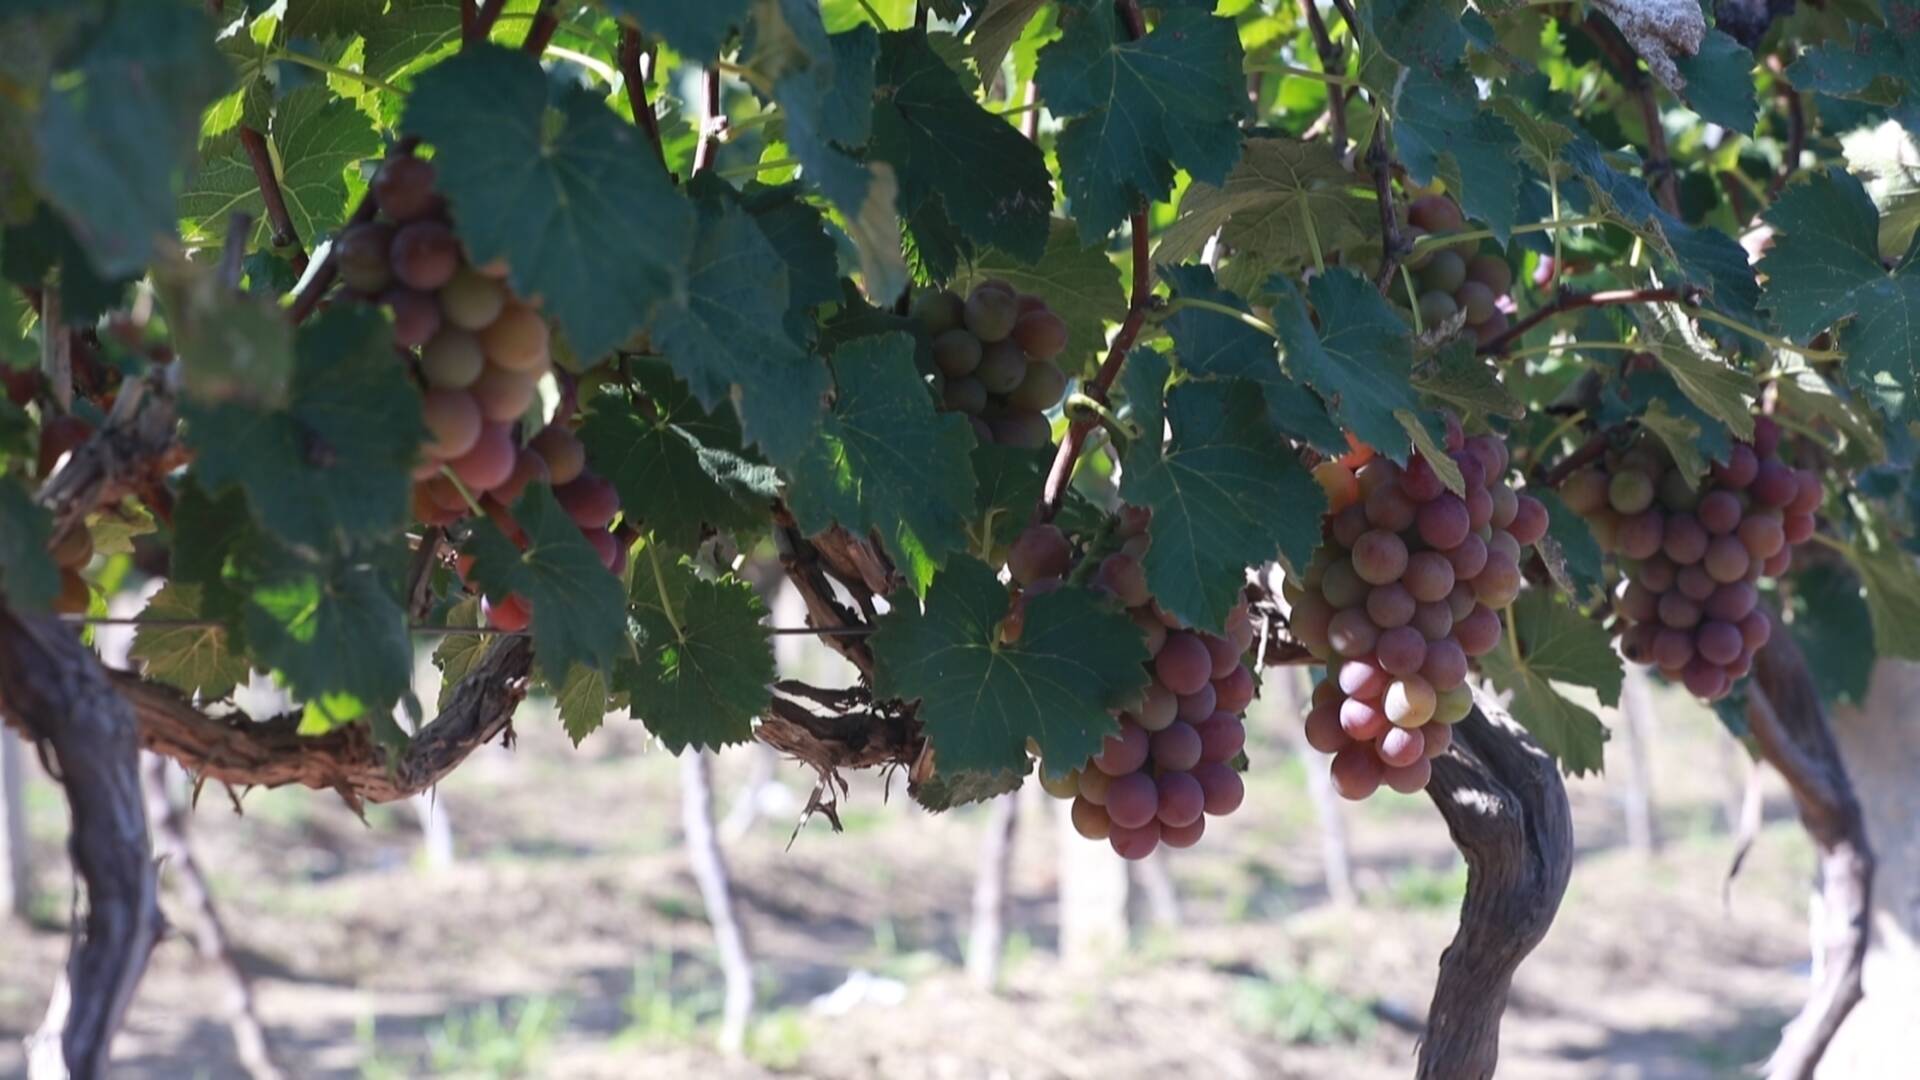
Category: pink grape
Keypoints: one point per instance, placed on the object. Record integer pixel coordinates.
(1041, 334)
(1349, 525)
(1122, 752)
(1763, 533)
(1719, 511)
(1410, 701)
(1122, 576)
(1718, 642)
(1438, 738)
(1132, 800)
(1766, 436)
(453, 422)
(1352, 633)
(489, 462)
(1094, 786)
(1740, 469)
(1182, 800)
(1040, 551)
(589, 500)
(1429, 577)
(403, 188)
(1658, 572)
(1176, 747)
(1390, 605)
(1445, 666)
(1637, 602)
(1479, 507)
(991, 313)
(1224, 736)
(1468, 558)
(1090, 819)
(1158, 708)
(1443, 521)
(1135, 844)
(1420, 482)
(1389, 509)
(1401, 747)
(1704, 679)
(1756, 629)
(1529, 520)
(1479, 632)
(1502, 542)
(1225, 657)
(1630, 492)
(1402, 650)
(1694, 582)
(416, 316)
(1672, 648)
(1198, 705)
(1808, 493)
(1499, 583)
(1224, 788)
(1379, 557)
(1505, 505)
(1183, 665)
(1727, 559)
(1460, 601)
(1730, 603)
(1434, 621)
(1640, 535)
(1183, 836)
(425, 255)
(1774, 484)
(1235, 692)
(956, 353)
(1409, 779)
(1685, 539)
(1797, 529)
(1324, 731)
(1679, 611)
(1362, 720)
(1342, 587)
(1356, 772)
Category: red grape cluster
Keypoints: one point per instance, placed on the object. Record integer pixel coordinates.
(995, 352)
(1693, 554)
(1457, 277)
(1171, 763)
(1405, 590)
(481, 354)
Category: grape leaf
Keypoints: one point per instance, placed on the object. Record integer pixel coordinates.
(995, 32)
(1825, 266)
(677, 467)
(943, 791)
(1716, 387)
(1137, 111)
(1420, 34)
(411, 31)
(1459, 378)
(1227, 493)
(1081, 285)
(1892, 590)
(583, 701)
(1866, 58)
(992, 183)
(1011, 480)
(577, 611)
(569, 194)
(885, 461)
(1568, 548)
(704, 661)
(728, 341)
(31, 250)
(314, 137)
(333, 466)
(1360, 360)
(696, 31)
(1208, 343)
(116, 134)
(27, 572)
(457, 654)
(196, 659)
(1720, 82)
(333, 631)
(1681, 436)
(1440, 130)
(1834, 627)
(980, 699)
(1280, 189)
(1557, 644)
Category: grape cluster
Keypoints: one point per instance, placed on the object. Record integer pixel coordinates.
(1458, 277)
(1693, 554)
(995, 352)
(481, 353)
(1171, 763)
(1405, 590)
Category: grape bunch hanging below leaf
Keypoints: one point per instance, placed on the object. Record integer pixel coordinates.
(1694, 549)
(482, 352)
(1172, 762)
(995, 353)
(1458, 277)
(1404, 592)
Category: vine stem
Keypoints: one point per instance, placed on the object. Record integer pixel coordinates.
(1658, 168)
(1392, 244)
(1439, 240)
(712, 121)
(483, 21)
(1331, 60)
(540, 32)
(1061, 474)
(1568, 300)
(631, 73)
(346, 73)
(260, 156)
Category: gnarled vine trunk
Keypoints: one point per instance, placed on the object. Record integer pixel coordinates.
(55, 691)
(1790, 727)
(1504, 803)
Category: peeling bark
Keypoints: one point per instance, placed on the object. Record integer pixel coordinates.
(1504, 803)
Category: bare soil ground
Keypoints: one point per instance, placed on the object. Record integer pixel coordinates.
(568, 939)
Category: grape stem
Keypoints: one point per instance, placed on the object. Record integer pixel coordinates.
(348, 74)
(1393, 244)
(1658, 167)
(1569, 300)
(1140, 297)
(634, 75)
(712, 120)
(660, 584)
(285, 236)
(540, 32)
(1247, 318)
(482, 22)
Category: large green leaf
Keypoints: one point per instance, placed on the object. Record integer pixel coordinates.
(333, 466)
(1866, 59)
(885, 461)
(1137, 111)
(1556, 644)
(992, 183)
(1892, 584)
(196, 659)
(1824, 267)
(678, 468)
(1720, 82)
(578, 616)
(116, 133)
(981, 699)
(729, 343)
(703, 663)
(559, 186)
(1360, 360)
(1227, 493)
(696, 30)
(314, 137)
(1441, 131)
(1283, 196)
(334, 631)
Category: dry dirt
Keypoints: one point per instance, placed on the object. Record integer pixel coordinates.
(568, 939)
